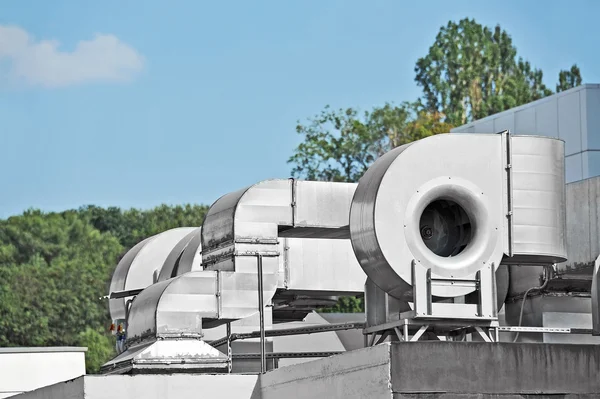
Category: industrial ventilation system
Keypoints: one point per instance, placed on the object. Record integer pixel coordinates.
(426, 235)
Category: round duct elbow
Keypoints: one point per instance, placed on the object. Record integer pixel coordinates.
(437, 202)
(137, 269)
(173, 308)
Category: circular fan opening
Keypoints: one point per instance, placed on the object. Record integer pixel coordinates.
(445, 228)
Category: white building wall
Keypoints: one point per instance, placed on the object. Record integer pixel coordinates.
(26, 369)
(572, 115)
(158, 386)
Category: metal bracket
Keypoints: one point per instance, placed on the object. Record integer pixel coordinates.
(424, 308)
(507, 149)
(596, 298)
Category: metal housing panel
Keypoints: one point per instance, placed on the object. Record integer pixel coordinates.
(592, 128)
(569, 122)
(320, 266)
(538, 199)
(322, 204)
(578, 215)
(486, 126)
(591, 163)
(525, 121)
(391, 196)
(573, 168)
(546, 118)
(503, 122)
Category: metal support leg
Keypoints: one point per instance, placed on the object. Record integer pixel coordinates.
(399, 334)
(229, 352)
(419, 333)
(373, 336)
(383, 337)
(405, 332)
(261, 308)
(483, 335)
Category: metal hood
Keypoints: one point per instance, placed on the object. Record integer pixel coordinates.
(168, 356)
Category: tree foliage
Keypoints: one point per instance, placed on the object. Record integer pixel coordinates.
(54, 267)
(472, 71)
(339, 145)
(568, 79)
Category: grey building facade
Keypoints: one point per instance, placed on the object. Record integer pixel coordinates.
(572, 115)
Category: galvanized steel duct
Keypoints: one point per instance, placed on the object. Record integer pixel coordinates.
(137, 267)
(184, 257)
(242, 226)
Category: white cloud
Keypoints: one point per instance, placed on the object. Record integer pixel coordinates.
(41, 63)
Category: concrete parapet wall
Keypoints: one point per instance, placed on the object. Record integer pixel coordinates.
(161, 386)
(443, 370)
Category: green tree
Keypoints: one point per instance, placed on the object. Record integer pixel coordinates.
(339, 145)
(567, 79)
(54, 267)
(472, 71)
(133, 225)
(100, 348)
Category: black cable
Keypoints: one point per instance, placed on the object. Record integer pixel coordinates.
(546, 280)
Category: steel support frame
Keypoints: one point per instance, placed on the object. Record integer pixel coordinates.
(411, 330)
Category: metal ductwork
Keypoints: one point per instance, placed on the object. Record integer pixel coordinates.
(445, 214)
(184, 257)
(165, 326)
(283, 223)
(300, 271)
(140, 266)
(454, 204)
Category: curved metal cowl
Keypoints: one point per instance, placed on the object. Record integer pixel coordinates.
(446, 203)
(136, 269)
(538, 200)
(173, 308)
(184, 257)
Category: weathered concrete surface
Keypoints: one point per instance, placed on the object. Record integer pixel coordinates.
(157, 386)
(390, 370)
(443, 370)
(498, 369)
(362, 373)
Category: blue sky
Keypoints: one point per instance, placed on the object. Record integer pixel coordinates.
(138, 103)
